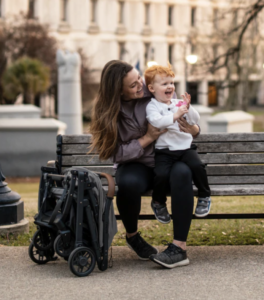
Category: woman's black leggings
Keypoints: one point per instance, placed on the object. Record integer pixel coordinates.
(133, 179)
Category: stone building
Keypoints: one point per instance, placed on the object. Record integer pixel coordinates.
(139, 31)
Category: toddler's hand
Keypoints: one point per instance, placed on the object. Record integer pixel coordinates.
(180, 112)
(187, 98)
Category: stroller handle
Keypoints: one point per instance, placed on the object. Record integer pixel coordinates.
(110, 180)
(111, 184)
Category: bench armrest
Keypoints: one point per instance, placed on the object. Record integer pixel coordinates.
(111, 184)
(51, 164)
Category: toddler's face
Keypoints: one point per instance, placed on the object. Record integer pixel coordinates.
(162, 88)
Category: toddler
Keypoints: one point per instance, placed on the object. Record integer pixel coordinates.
(174, 145)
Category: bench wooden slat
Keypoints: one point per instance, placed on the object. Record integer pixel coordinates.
(77, 139)
(235, 170)
(100, 169)
(75, 149)
(224, 180)
(235, 179)
(209, 158)
(226, 190)
(237, 147)
(206, 137)
(201, 147)
(81, 160)
(230, 137)
(211, 170)
(227, 158)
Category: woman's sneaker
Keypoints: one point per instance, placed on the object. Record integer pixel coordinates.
(161, 212)
(172, 257)
(203, 207)
(141, 247)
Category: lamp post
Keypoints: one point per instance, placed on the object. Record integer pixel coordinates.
(11, 210)
(151, 63)
(191, 59)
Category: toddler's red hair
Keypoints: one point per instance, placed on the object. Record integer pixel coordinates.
(151, 72)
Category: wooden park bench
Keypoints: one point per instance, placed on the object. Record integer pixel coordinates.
(234, 164)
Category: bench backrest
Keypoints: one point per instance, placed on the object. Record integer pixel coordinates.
(235, 161)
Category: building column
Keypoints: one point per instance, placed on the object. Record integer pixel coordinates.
(223, 94)
(260, 95)
(203, 93)
(182, 88)
(240, 91)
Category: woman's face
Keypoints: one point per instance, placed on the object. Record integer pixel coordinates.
(132, 86)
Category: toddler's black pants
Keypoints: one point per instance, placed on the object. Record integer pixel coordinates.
(165, 159)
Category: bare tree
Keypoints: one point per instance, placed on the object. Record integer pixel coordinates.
(232, 53)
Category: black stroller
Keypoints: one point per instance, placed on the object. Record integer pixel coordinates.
(70, 219)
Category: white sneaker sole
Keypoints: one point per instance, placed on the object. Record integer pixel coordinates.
(141, 258)
(171, 266)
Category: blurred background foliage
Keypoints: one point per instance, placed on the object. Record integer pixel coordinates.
(26, 76)
(24, 37)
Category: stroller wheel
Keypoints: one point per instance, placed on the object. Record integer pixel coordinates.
(82, 261)
(62, 249)
(43, 240)
(40, 257)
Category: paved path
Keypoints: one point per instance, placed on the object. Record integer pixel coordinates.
(215, 273)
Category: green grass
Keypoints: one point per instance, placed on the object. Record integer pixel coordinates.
(209, 232)
(203, 232)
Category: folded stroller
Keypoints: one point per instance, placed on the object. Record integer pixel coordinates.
(75, 220)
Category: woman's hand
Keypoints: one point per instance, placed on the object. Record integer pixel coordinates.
(186, 127)
(152, 134)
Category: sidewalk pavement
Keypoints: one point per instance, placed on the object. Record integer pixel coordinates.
(214, 273)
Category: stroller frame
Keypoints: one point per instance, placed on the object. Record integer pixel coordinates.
(69, 243)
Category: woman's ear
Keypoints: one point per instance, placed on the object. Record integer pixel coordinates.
(151, 89)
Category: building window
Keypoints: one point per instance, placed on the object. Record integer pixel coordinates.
(254, 56)
(215, 51)
(215, 18)
(235, 18)
(170, 15)
(32, 9)
(170, 54)
(147, 7)
(146, 53)
(64, 10)
(93, 10)
(121, 12)
(122, 51)
(193, 49)
(193, 16)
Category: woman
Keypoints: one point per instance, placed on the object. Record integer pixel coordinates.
(120, 130)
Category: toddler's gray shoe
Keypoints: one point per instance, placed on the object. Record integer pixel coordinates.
(203, 207)
(161, 212)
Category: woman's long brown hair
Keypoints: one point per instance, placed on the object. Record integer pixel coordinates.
(106, 109)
